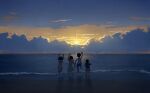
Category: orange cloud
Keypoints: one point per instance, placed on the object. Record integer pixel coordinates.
(11, 16)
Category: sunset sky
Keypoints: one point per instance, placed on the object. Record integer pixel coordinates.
(74, 21)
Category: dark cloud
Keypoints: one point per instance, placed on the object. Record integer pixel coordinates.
(133, 41)
(21, 44)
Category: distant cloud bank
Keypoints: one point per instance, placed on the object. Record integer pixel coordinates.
(136, 40)
(72, 35)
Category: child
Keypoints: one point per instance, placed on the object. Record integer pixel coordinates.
(71, 64)
(78, 61)
(60, 63)
(87, 67)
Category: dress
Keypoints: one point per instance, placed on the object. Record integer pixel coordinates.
(71, 66)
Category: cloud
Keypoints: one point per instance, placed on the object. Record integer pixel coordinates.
(17, 44)
(133, 41)
(60, 21)
(10, 16)
(137, 19)
(80, 35)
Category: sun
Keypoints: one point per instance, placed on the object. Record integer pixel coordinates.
(77, 42)
(74, 42)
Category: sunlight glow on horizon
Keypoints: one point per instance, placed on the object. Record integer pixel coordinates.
(75, 40)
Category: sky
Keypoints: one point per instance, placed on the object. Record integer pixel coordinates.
(49, 13)
(75, 22)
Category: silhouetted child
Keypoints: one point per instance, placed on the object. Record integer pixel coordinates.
(87, 67)
(70, 64)
(60, 63)
(78, 61)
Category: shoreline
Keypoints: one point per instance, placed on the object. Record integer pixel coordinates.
(40, 53)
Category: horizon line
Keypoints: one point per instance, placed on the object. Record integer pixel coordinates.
(75, 53)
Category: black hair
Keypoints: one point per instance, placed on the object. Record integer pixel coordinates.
(87, 60)
(71, 57)
(78, 54)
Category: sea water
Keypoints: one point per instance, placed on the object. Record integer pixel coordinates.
(104, 66)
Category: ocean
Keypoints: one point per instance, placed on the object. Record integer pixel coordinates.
(46, 64)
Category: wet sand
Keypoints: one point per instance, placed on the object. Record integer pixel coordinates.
(74, 86)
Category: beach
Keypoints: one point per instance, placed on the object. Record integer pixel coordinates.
(109, 74)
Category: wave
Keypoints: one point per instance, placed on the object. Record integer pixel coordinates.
(27, 73)
(106, 70)
(144, 71)
(121, 70)
(94, 71)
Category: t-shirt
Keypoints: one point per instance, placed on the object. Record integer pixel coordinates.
(79, 61)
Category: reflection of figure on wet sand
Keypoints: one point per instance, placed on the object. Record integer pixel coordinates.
(88, 84)
(70, 66)
(79, 82)
(59, 86)
(60, 63)
(70, 85)
(65, 86)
